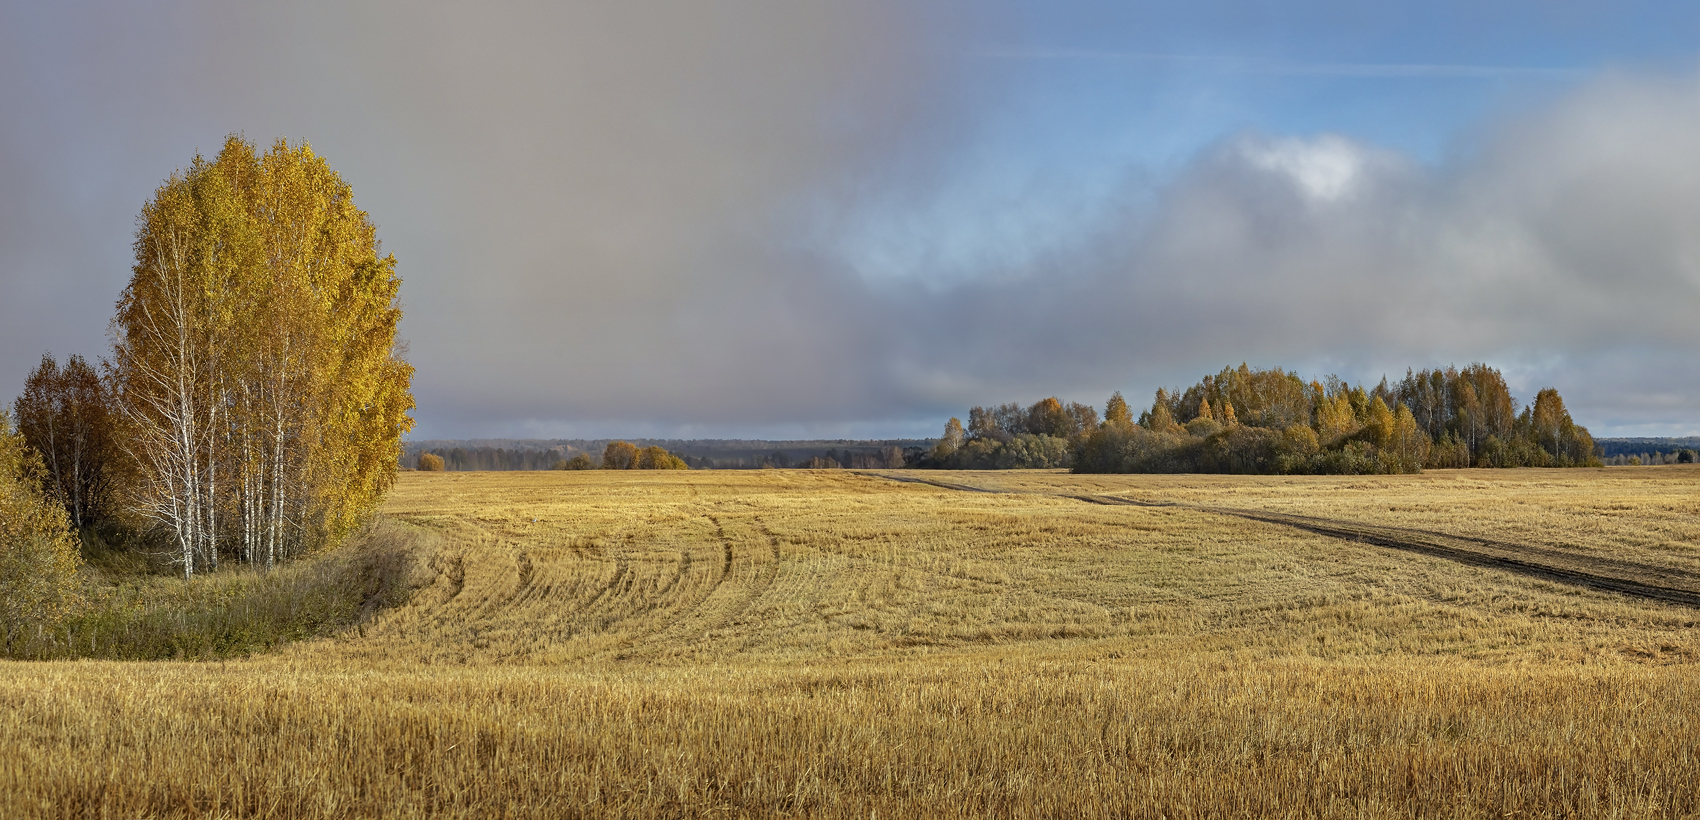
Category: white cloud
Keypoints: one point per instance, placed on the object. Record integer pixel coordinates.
(1326, 168)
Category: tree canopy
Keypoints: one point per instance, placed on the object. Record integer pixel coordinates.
(67, 415)
(624, 455)
(1243, 420)
(254, 358)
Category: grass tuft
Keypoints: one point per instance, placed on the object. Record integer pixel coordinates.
(132, 613)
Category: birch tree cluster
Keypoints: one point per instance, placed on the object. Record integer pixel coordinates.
(254, 370)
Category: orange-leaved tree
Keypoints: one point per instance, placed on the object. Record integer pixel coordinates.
(620, 455)
(657, 458)
(66, 414)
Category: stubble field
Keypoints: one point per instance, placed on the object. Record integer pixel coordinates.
(836, 644)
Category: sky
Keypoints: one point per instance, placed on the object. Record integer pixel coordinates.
(856, 219)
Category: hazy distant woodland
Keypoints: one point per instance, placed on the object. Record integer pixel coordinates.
(701, 454)
(1619, 452)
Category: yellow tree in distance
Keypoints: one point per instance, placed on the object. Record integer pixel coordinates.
(620, 455)
(624, 455)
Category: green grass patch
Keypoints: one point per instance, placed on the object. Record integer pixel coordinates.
(133, 612)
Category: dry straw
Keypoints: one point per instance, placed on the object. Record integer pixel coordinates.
(772, 644)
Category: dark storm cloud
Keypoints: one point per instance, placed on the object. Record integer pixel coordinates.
(629, 219)
(584, 198)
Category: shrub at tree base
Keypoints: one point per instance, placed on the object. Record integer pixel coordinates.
(38, 555)
(233, 613)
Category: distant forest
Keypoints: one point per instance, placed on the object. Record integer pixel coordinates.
(1237, 421)
(1626, 451)
(698, 454)
(1271, 421)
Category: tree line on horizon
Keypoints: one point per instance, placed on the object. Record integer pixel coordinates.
(618, 455)
(1654, 458)
(1243, 420)
(253, 401)
(465, 459)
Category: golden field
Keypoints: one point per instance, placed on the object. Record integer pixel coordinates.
(837, 644)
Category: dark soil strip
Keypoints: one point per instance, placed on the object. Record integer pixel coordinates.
(944, 484)
(1432, 545)
(1624, 578)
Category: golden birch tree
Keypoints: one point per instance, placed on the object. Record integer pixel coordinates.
(174, 323)
(256, 354)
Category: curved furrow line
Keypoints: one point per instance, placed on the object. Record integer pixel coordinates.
(496, 603)
(678, 576)
(726, 544)
(683, 622)
(621, 570)
(763, 579)
(452, 569)
(455, 573)
(717, 612)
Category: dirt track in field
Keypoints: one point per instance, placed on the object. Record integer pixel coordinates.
(1623, 577)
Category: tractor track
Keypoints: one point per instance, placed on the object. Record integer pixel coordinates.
(761, 579)
(1666, 584)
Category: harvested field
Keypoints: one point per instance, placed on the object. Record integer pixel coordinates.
(791, 643)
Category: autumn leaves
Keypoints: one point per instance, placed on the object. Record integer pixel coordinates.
(254, 358)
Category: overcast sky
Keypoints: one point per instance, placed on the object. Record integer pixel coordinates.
(786, 219)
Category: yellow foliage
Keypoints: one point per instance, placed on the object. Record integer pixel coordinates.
(1381, 424)
(255, 351)
(620, 455)
(1160, 419)
(38, 554)
(1335, 419)
(657, 458)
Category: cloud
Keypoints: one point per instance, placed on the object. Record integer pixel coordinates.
(773, 218)
(1240, 65)
(1559, 248)
(1323, 169)
(586, 199)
